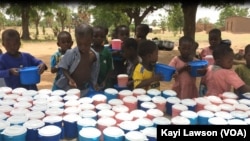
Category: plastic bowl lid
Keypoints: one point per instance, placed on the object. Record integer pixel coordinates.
(14, 130)
(111, 91)
(33, 124)
(189, 114)
(161, 121)
(73, 91)
(49, 130)
(169, 92)
(58, 92)
(113, 131)
(154, 92)
(217, 121)
(90, 132)
(87, 122)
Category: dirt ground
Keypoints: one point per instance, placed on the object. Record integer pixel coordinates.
(44, 49)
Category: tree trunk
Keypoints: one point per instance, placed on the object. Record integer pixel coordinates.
(25, 22)
(189, 11)
(37, 31)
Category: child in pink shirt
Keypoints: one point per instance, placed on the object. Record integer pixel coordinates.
(185, 84)
(220, 77)
(214, 38)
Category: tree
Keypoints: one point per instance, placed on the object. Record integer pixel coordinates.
(39, 11)
(63, 13)
(163, 23)
(84, 13)
(189, 13)
(107, 18)
(137, 12)
(229, 11)
(204, 21)
(175, 20)
(21, 10)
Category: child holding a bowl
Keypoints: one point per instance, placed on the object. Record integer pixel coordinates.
(220, 77)
(144, 76)
(184, 84)
(121, 32)
(13, 60)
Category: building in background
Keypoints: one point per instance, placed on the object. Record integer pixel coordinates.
(237, 24)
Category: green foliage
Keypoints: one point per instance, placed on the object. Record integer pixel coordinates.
(108, 15)
(229, 11)
(175, 18)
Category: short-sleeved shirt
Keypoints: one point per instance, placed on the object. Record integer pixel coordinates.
(140, 74)
(244, 73)
(185, 84)
(218, 80)
(106, 64)
(206, 51)
(7, 62)
(71, 59)
(54, 60)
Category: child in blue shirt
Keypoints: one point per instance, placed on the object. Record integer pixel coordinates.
(13, 60)
(64, 42)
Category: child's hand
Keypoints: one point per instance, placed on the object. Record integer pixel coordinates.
(202, 71)
(187, 68)
(41, 68)
(72, 83)
(14, 71)
(158, 77)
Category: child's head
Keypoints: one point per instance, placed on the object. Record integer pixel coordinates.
(98, 35)
(64, 41)
(11, 41)
(148, 51)
(214, 37)
(247, 54)
(223, 55)
(84, 37)
(142, 31)
(129, 48)
(186, 47)
(122, 32)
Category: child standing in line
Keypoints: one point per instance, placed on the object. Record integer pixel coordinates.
(64, 42)
(80, 65)
(185, 84)
(144, 76)
(141, 32)
(214, 38)
(106, 62)
(243, 70)
(121, 32)
(13, 60)
(129, 49)
(220, 77)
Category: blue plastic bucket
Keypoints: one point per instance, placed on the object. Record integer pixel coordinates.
(29, 75)
(165, 70)
(195, 65)
(14, 133)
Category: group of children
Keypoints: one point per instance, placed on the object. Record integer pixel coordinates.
(91, 65)
(218, 77)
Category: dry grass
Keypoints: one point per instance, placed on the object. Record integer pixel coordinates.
(44, 49)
